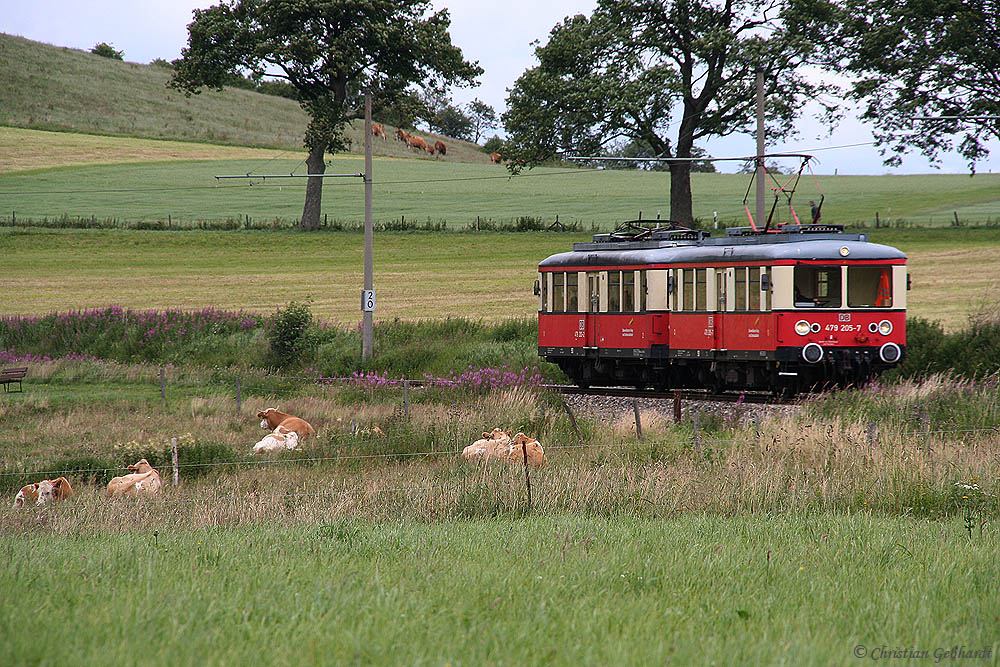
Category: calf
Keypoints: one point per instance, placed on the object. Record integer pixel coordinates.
(54, 489)
(440, 148)
(280, 438)
(143, 480)
(272, 418)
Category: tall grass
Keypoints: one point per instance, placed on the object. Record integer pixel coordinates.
(562, 590)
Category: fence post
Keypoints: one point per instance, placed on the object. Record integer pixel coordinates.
(163, 388)
(677, 406)
(239, 395)
(638, 422)
(527, 471)
(173, 455)
(925, 431)
(406, 398)
(872, 436)
(572, 420)
(697, 435)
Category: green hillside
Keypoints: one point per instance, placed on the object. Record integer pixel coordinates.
(54, 88)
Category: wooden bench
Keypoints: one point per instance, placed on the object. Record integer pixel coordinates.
(9, 376)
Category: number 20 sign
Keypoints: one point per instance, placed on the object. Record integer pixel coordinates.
(368, 300)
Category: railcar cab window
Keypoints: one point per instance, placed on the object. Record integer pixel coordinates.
(869, 286)
(545, 290)
(817, 287)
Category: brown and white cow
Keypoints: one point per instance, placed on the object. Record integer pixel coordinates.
(272, 418)
(378, 130)
(490, 446)
(440, 148)
(403, 135)
(50, 490)
(280, 438)
(28, 495)
(43, 492)
(495, 157)
(142, 480)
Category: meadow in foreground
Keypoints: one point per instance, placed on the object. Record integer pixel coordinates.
(791, 588)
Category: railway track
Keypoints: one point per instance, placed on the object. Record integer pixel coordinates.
(684, 394)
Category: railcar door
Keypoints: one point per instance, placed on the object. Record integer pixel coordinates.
(723, 295)
(593, 307)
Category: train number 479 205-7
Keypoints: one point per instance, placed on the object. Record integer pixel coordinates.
(843, 327)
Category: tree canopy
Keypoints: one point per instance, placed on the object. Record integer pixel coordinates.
(332, 52)
(665, 73)
(921, 59)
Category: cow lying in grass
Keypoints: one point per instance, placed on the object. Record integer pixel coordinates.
(143, 480)
(44, 492)
(280, 438)
(488, 447)
(501, 446)
(272, 418)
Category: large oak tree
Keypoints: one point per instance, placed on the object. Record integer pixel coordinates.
(924, 58)
(331, 51)
(664, 73)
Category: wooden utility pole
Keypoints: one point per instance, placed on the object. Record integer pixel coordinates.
(368, 295)
(761, 171)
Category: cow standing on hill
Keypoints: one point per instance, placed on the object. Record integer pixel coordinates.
(378, 130)
(440, 148)
(418, 143)
(495, 157)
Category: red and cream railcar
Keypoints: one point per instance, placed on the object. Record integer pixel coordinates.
(784, 310)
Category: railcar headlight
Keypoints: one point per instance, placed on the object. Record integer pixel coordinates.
(885, 327)
(873, 327)
(812, 353)
(802, 327)
(814, 327)
(890, 353)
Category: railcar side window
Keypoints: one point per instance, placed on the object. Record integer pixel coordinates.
(754, 288)
(765, 284)
(642, 291)
(688, 289)
(676, 275)
(869, 286)
(628, 291)
(817, 286)
(572, 291)
(545, 291)
(701, 289)
(558, 292)
(614, 291)
(741, 288)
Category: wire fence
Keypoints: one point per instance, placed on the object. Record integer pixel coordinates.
(623, 445)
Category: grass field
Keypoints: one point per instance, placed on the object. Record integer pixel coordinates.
(558, 590)
(418, 275)
(68, 90)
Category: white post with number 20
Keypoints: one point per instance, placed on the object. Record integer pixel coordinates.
(368, 300)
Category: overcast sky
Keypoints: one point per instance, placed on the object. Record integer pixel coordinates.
(496, 33)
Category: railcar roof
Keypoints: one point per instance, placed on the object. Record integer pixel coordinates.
(728, 249)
